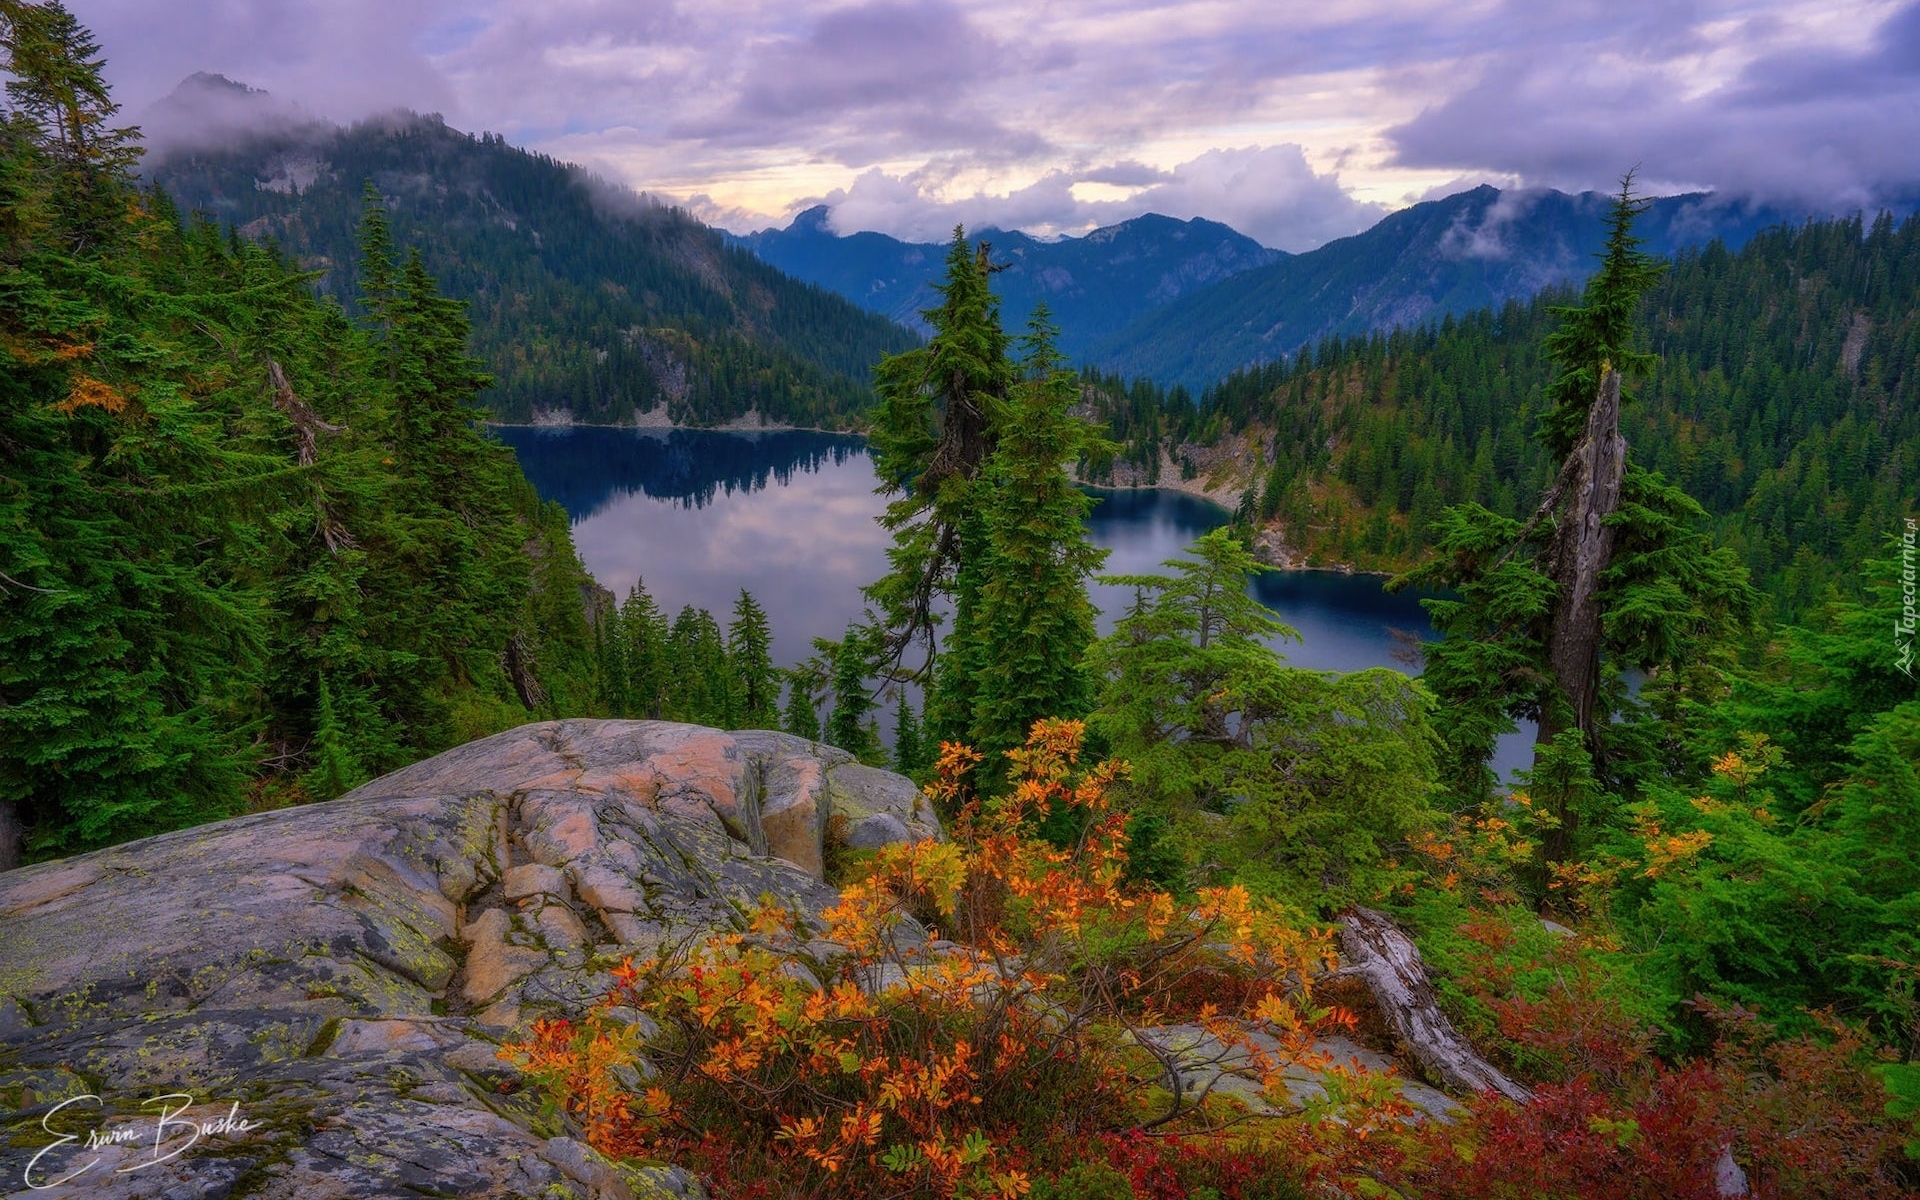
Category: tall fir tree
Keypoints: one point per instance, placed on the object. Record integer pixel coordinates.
(1032, 608)
(128, 641)
(379, 266)
(938, 419)
(1599, 333)
(801, 715)
(986, 519)
(702, 688)
(219, 569)
(613, 678)
(1317, 775)
(953, 685)
(909, 746)
(643, 639)
(56, 88)
(750, 654)
(1610, 573)
(847, 727)
(336, 770)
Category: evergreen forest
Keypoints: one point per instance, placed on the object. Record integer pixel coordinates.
(1781, 395)
(255, 550)
(1684, 940)
(586, 301)
(256, 547)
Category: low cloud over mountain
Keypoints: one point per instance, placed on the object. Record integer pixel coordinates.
(1296, 123)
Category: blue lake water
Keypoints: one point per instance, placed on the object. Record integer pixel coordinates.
(789, 516)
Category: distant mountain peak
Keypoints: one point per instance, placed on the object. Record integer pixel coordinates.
(663, 322)
(213, 81)
(1093, 283)
(817, 219)
(209, 109)
(1470, 249)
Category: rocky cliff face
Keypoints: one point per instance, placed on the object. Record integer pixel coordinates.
(326, 986)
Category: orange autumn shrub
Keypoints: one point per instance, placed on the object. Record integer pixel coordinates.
(966, 1006)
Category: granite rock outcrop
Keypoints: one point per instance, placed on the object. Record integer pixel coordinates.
(321, 991)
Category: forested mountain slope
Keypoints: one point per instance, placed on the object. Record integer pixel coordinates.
(1785, 398)
(586, 300)
(1471, 250)
(252, 551)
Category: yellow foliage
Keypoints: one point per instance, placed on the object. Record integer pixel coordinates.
(88, 392)
(898, 1071)
(1664, 850)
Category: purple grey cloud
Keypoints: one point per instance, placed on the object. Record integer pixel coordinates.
(1819, 126)
(1291, 120)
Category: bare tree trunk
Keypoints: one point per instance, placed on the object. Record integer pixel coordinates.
(1589, 491)
(306, 431)
(1375, 950)
(13, 837)
(519, 664)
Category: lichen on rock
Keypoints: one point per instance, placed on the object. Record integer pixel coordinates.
(344, 972)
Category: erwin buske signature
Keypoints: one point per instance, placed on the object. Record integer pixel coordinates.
(173, 1134)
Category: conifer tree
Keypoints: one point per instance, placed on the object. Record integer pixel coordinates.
(454, 500)
(801, 717)
(613, 679)
(975, 447)
(56, 88)
(379, 268)
(953, 691)
(847, 727)
(335, 769)
(643, 641)
(1598, 334)
(702, 686)
(1032, 607)
(1609, 573)
(909, 749)
(127, 643)
(438, 379)
(936, 424)
(749, 653)
(217, 559)
(1317, 774)
(1184, 667)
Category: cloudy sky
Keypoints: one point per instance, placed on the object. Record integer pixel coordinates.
(1293, 121)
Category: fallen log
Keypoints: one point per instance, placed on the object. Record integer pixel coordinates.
(1389, 962)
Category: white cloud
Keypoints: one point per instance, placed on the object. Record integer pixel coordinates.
(1269, 193)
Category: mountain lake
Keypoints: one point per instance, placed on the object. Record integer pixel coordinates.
(789, 516)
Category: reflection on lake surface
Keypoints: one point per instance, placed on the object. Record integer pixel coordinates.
(786, 515)
(789, 516)
(586, 468)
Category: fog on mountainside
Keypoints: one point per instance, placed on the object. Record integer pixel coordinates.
(587, 300)
(1189, 302)
(594, 303)
(1472, 250)
(207, 111)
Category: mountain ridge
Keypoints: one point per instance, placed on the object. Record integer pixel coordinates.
(585, 297)
(1471, 250)
(1236, 303)
(1093, 283)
